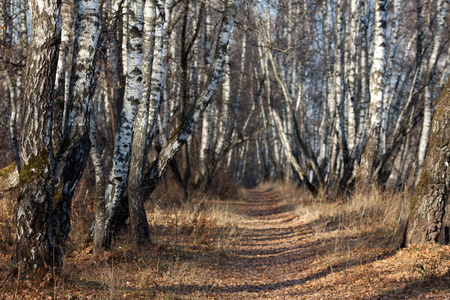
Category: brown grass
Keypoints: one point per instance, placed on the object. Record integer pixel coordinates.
(354, 240)
(190, 241)
(359, 239)
(377, 218)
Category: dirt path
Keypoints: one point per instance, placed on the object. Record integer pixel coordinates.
(275, 250)
(281, 256)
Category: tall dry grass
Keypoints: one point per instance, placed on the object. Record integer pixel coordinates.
(203, 219)
(190, 239)
(366, 219)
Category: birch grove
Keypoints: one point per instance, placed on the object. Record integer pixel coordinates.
(333, 95)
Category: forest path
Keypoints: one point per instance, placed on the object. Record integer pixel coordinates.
(273, 255)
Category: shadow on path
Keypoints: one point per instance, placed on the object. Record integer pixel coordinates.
(276, 254)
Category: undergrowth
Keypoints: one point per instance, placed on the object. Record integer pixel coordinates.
(190, 239)
(351, 239)
(376, 218)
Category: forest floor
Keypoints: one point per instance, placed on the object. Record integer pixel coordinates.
(259, 246)
(283, 257)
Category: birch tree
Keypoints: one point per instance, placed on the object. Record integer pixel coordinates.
(146, 119)
(47, 181)
(34, 244)
(118, 178)
(179, 137)
(442, 8)
(371, 151)
(73, 152)
(428, 205)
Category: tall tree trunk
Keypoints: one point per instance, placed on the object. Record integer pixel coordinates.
(207, 122)
(118, 178)
(430, 198)
(390, 80)
(64, 68)
(116, 86)
(73, 152)
(371, 151)
(352, 77)
(34, 244)
(224, 114)
(99, 170)
(156, 172)
(146, 118)
(442, 8)
(365, 91)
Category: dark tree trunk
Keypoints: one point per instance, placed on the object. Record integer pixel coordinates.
(34, 203)
(428, 207)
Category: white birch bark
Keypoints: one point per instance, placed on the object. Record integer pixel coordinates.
(205, 146)
(208, 118)
(141, 126)
(365, 91)
(65, 55)
(158, 76)
(323, 131)
(33, 244)
(265, 152)
(118, 178)
(338, 86)
(377, 79)
(241, 81)
(390, 82)
(238, 95)
(114, 58)
(67, 16)
(352, 76)
(126, 25)
(99, 170)
(164, 117)
(147, 114)
(186, 129)
(74, 149)
(225, 111)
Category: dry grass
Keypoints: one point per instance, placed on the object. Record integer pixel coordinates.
(377, 218)
(350, 247)
(191, 241)
(359, 238)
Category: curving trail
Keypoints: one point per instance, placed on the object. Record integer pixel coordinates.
(282, 256)
(275, 250)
